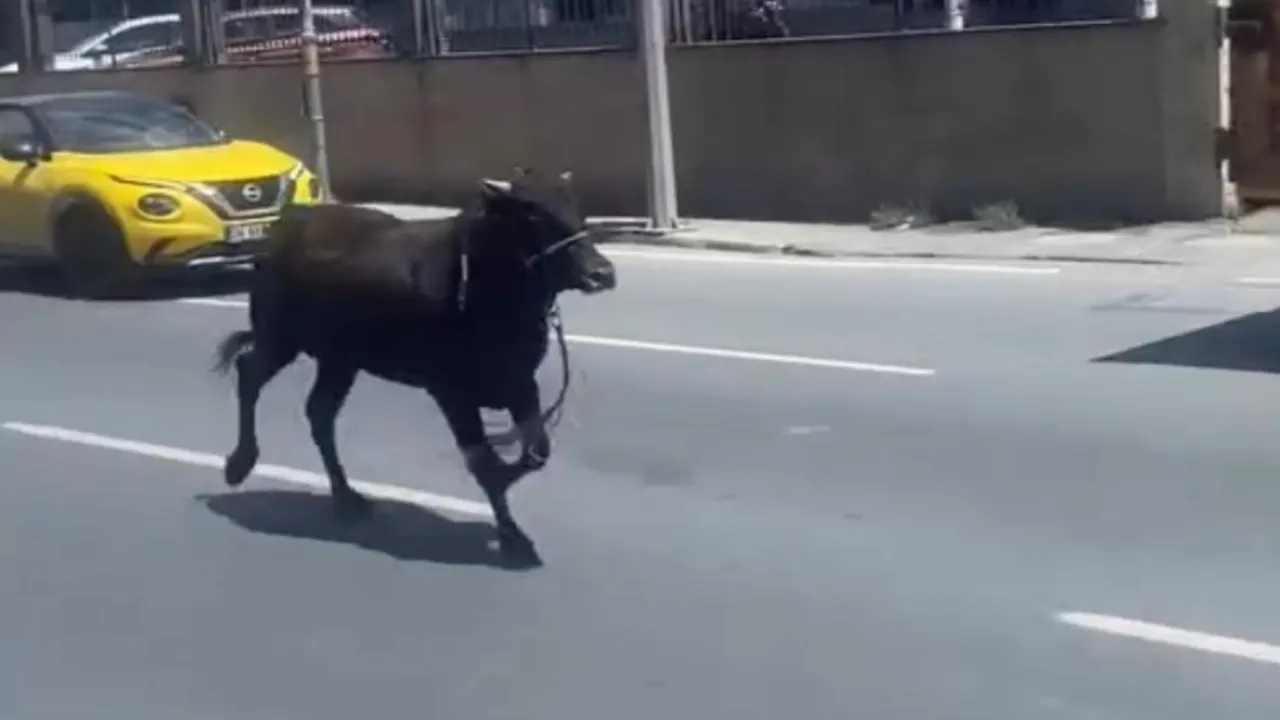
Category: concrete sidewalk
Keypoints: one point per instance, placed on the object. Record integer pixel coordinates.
(1211, 242)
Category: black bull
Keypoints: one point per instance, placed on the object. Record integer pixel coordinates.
(459, 307)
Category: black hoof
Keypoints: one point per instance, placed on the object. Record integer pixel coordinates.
(518, 552)
(536, 453)
(351, 505)
(238, 466)
(531, 462)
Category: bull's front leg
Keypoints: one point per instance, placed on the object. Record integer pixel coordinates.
(526, 415)
(493, 475)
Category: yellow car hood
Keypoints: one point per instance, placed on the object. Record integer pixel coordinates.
(237, 160)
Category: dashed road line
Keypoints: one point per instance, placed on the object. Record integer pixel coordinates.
(293, 476)
(1258, 281)
(1173, 636)
(673, 348)
(905, 265)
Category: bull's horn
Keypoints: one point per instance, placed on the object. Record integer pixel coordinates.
(497, 187)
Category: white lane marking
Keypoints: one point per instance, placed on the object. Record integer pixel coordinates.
(695, 256)
(215, 302)
(1264, 281)
(806, 429)
(1166, 635)
(289, 475)
(684, 349)
(747, 355)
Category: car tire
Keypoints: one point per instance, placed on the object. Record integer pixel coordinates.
(92, 254)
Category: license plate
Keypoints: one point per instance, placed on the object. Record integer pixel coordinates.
(246, 233)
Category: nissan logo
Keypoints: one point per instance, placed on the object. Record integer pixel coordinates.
(251, 192)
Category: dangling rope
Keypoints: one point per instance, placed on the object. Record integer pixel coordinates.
(555, 411)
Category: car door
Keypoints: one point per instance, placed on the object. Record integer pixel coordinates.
(26, 190)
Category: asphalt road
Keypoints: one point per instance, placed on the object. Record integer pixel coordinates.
(806, 490)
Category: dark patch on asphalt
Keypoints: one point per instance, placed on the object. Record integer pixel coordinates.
(44, 281)
(1155, 303)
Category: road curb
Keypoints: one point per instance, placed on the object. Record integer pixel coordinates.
(619, 230)
(669, 240)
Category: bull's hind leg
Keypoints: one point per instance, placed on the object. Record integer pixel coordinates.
(254, 369)
(332, 385)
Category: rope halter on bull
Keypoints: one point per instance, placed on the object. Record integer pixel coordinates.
(556, 247)
(554, 413)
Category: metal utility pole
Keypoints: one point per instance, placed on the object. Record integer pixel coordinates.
(34, 21)
(315, 106)
(662, 172)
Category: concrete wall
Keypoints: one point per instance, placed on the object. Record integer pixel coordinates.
(1099, 122)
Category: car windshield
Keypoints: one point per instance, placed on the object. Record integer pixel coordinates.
(72, 37)
(65, 43)
(123, 124)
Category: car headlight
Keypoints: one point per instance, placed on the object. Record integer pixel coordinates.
(157, 205)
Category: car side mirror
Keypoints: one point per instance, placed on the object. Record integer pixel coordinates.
(23, 151)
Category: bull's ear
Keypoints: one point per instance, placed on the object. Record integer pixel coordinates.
(566, 176)
(495, 187)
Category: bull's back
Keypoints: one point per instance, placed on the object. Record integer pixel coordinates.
(400, 342)
(345, 283)
(345, 247)
(325, 230)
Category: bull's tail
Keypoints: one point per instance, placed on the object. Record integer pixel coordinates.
(231, 347)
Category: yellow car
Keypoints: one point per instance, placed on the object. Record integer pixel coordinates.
(111, 184)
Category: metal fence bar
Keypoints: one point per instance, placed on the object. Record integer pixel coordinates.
(417, 11)
(437, 40)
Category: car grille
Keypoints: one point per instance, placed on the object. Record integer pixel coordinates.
(234, 193)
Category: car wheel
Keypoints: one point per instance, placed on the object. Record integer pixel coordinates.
(92, 255)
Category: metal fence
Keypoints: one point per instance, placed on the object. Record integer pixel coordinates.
(89, 34)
